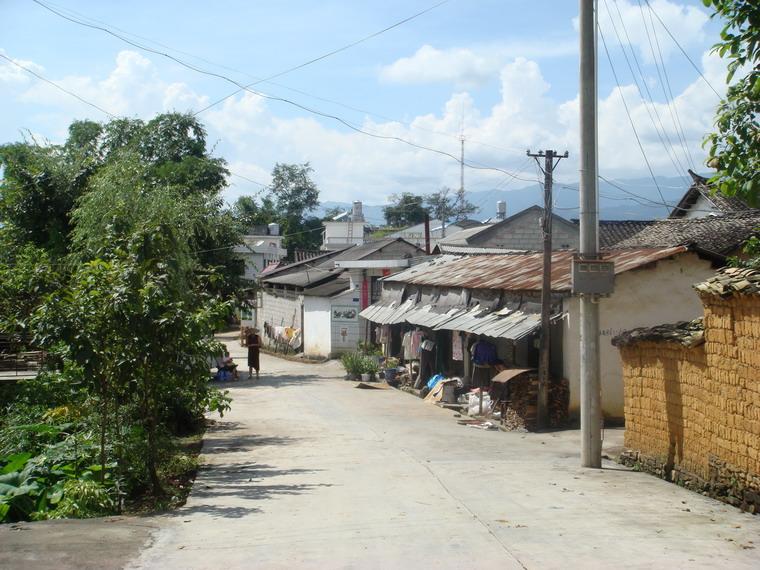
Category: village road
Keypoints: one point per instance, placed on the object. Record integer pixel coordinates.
(309, 472)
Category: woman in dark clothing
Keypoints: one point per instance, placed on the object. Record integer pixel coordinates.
(253, 342)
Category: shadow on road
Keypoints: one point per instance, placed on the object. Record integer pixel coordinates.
(272, 379)
(242, 482)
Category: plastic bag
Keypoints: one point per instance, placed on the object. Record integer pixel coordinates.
(473, 406)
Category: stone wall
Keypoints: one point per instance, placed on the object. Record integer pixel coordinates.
(693, 412)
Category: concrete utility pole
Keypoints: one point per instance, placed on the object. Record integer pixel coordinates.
(591, 418)
(544, 347)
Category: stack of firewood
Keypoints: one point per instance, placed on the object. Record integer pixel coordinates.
(520, 409)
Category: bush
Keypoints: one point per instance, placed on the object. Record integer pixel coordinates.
(353, 362)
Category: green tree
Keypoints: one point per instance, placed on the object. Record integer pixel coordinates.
(406, 209)
(734, 147)
(137, 316)
(448, 206)
(295, 195)
(249, 213)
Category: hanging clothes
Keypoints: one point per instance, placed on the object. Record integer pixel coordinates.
(483, 352)
(417, 338)
(384, 334)
(457, 352)
(406, 345)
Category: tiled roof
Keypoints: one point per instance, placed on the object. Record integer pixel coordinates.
(687, 333)
(611, 232)
(700, 187)
(361, 251)
(731, 281)
(719, 234)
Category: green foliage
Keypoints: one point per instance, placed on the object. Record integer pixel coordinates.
(449, 207)
(734, 147)
(353, 362)
(123, 290)
(406, 209)
(358, 362)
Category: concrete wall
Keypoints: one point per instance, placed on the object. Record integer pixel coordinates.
(642, 298)
(317, 335)
(524, 232)
(694, 413)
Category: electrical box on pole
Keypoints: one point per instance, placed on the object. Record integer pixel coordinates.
(592, 276)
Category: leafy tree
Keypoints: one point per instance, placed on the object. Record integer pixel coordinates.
(446, 206)
(294, 192)
(294, 195)
(249, 213)
(406, 209)
(734, 147)
(42, 183)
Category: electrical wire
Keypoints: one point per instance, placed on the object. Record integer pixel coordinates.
(329, 54)
(54, 84)
(275, 98)
(659, 62)
(630, 118)
(683, 51)
(407, 124)
(648, 100)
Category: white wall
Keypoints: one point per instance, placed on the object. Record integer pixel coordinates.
(336, 235)
(317, 326)
(642, 298)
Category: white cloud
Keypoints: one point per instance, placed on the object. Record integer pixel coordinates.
(467, 67)
(350, 165)
(631, 22)
(13, 74)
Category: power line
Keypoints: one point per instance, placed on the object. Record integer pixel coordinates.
(276, 98)
(293, 89)
(41, 78)
(657, 124)
(683, 51)
(326, 55)
(659, 61)
(627, 111)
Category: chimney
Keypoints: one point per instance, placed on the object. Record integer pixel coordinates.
(274, 229)
(356, 213)
(501, 210)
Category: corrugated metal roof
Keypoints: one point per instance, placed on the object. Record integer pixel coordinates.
(303, 278)
(388, 313)
(502, 323)
(329, 288)
(517, 272)
(506, 322)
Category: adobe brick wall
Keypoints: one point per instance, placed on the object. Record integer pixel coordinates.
(693, 414)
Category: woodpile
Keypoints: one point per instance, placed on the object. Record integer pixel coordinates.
(518, 400)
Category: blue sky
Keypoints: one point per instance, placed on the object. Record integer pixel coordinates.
(503, 71)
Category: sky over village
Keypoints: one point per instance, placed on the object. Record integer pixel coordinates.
(503, 73)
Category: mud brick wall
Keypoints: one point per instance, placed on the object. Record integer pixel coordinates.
(693, 413)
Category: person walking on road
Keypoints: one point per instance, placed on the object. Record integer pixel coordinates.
(253, 342)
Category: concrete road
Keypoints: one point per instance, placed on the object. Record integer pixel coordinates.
(310, 472)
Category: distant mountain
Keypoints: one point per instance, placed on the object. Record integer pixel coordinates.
(627, 199)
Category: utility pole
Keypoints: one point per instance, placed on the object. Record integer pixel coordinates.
(544, 347)
(591, 417)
